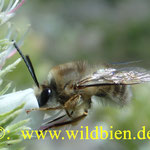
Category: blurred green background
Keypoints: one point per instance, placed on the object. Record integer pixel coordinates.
(96, 31)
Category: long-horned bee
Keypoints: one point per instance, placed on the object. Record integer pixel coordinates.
(70, 87)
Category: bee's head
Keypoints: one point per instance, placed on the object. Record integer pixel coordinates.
(42, 92)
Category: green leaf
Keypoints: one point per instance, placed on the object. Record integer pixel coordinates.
(5, 89)
(9, 119)
(13, 131)
(17, 126)
(9, 68)
(3, 116)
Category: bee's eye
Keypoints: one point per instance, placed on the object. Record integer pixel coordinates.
(45, 95)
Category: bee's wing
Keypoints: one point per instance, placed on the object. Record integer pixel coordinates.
(112, 76)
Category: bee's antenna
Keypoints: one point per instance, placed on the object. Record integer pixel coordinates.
(28, 64)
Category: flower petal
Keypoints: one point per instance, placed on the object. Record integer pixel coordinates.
(11, 101)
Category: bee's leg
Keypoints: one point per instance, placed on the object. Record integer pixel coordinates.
(44, 108)
(71, 104)
(69, 114)
(75, 120)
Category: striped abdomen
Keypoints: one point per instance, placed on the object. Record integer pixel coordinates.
(120, 94)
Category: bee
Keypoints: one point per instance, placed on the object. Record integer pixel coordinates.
(70, 87)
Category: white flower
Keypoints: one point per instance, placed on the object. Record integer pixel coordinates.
(9, 12)
(12, 100)
(7, 43)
